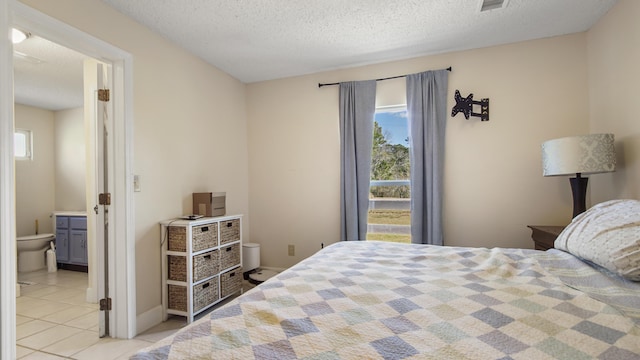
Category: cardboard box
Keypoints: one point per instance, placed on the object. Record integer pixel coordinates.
(209, 203)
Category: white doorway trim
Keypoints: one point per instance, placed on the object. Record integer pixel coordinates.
(8, 266)
(122, 248)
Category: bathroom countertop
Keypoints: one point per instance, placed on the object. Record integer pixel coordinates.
(70, 213)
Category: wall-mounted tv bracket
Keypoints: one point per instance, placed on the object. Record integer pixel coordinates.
(465, 105)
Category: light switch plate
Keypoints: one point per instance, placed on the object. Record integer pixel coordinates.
(136, 183)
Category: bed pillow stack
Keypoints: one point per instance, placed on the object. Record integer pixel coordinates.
(608, 234)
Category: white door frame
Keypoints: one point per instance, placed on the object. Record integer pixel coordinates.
(122, 249)
(8, 261)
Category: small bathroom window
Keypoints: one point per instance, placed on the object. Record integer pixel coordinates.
(22, 148)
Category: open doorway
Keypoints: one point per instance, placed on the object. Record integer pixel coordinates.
(51, 182)
(54, 91)
(120, 221)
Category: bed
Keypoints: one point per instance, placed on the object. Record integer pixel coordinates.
(377, 300)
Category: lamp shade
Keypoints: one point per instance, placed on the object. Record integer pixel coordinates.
(586, 154)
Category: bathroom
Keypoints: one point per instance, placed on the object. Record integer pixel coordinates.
(52, 182)
(50, 178)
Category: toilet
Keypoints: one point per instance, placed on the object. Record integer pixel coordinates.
(32, 251)
(251, 264)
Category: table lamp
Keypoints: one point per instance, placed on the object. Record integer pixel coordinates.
(579, 155)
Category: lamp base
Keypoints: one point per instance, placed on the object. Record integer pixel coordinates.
(579, 190)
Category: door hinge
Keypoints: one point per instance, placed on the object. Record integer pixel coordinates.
(105, 304)
(104, 199)
(103, 94)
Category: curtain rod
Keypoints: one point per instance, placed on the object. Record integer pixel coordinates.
(387, 78)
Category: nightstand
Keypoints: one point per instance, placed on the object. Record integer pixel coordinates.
(544, 236)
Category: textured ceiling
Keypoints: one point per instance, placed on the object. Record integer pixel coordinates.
(256, 40)
(47, 75)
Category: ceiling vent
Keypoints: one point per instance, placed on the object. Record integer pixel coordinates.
(487, 5)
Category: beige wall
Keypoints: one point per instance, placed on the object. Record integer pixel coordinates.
(51, 180)
(493, 175)
(614, 55)
(189, 130)
(70, 160)
(35, 179)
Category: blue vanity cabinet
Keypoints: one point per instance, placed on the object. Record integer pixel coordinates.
(62, 239)
(78, 240)
(71, 240)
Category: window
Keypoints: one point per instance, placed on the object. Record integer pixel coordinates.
(22, 148)
(389, 199)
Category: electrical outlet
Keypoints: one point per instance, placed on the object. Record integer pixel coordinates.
(292, 250)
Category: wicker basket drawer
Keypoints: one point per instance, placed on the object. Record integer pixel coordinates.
(229, 256)
(229, 231)
(177, 297)
(177, 267)
(230, 282)
(177, 238)
(205, 236)
(204, 294)
(205, 265)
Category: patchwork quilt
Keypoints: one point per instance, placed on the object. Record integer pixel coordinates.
(377, 300)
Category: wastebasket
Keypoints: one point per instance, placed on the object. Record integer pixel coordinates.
(52, 263)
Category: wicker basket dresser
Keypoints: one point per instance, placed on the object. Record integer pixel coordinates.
(201, 263)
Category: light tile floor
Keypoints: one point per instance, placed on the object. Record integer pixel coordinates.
(55, 322)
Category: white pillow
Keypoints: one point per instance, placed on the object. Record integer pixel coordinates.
(608, 234)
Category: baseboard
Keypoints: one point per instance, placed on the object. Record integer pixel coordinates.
(148, 319)
(276, 269)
